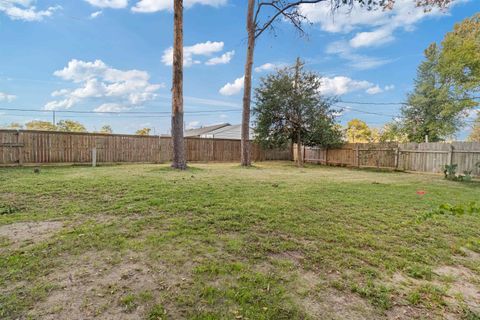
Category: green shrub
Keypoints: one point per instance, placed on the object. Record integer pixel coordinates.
(450, 171)
(447, 209)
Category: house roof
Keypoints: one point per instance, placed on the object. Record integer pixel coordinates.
(200, 131)
(227, 132)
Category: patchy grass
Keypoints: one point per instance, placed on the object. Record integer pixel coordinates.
(222, 242)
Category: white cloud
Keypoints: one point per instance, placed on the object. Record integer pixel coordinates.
(233, 88)
(266, 67)
(377, 89)
(374, 90)
(344, 20)
(355, 60)
(383, 23)
(7, 97)
(96, 14)
(25, 10)
(189, 52)
(223, 59)
(61, 104)
(192, 125)
(98, 81)
(146, 6)
(114, 4)
(110, 107)
(372, 38)
(340, 85)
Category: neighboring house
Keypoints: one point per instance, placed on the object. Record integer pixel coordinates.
(219, 131)
(228, 132)
(203, 130)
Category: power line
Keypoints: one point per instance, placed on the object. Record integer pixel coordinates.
(207, 112)
(402, 102)
(117, 112)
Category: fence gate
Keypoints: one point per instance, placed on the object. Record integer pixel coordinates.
(11, 148)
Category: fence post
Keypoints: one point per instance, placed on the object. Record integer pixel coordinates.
(21, 147)
(94, 157)
(450, 155)
(213, 148)
(326, 156)
(357, 155)
(397, 157)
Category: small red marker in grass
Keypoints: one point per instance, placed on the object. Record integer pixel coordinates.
(421, 192)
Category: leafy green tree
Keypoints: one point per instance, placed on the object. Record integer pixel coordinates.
(40, 125)
(459, 61)
(289, 107)
(70, 126)
(475, 134)
(393, 132)
(143, 132)
(106, 129)
(358, 132)
(433, 110)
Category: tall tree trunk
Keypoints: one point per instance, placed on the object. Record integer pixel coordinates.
(179, 161)
(299, 150)
(247, 91)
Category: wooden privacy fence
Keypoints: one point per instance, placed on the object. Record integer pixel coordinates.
(39, 147)
(421, 157)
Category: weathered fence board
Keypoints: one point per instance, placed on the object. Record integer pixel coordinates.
(421, 157)
(39, 147)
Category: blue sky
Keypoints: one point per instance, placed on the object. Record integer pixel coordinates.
(113, 55)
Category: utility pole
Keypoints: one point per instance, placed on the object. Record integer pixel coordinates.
(53, 118)
(246, 159)
(179, 160)
(298, 66)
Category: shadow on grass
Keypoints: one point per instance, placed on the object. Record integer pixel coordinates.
(168, 168)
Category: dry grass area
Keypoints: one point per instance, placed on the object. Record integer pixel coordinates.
(223, 242)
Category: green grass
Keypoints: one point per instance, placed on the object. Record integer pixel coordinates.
(222, 242)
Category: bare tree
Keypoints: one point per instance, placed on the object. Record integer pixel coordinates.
(261, 16)
(179, 161)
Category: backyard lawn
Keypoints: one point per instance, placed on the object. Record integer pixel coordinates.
(223, 242)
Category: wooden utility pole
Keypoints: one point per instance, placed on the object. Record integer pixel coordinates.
(179, 161)
(247, 92)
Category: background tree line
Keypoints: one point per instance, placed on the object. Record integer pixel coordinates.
(67, 126)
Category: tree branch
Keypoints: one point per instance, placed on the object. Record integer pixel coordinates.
(280, 11)
(282, 8)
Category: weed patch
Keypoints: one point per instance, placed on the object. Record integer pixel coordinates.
(447, 209)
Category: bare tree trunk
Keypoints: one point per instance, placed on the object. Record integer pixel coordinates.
(179, 161)
(247, 92)
(299, 151)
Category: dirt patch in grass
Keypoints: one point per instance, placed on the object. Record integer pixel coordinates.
(318, 299)
(25, 233)
(104, 286)
(459, 293)
(464, 286)
(294, 256)
(334, 304)
(404, 312)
